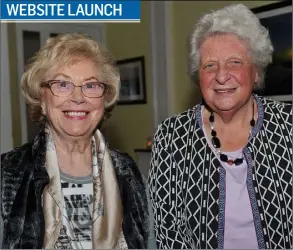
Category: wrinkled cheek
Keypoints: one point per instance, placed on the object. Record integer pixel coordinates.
(205, 87)
(97, 116)
(53, 116)
(206, 80)
(99, 107)
(48, 104)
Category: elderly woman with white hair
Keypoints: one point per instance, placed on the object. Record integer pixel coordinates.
(221, 172)
(67, 189)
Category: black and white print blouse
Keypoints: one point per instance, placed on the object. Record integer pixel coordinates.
(187, 181)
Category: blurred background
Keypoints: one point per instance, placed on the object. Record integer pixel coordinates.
(160, 38)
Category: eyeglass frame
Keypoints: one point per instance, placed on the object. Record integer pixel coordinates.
(49, 83)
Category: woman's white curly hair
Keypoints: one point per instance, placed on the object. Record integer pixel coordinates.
(233, 19)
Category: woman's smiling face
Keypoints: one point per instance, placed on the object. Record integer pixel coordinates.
(75, 115)
(227, 74)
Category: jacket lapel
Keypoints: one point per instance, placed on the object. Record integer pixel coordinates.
(134, 201)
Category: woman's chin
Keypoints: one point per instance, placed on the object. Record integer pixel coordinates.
(77, 131)
(225, 105)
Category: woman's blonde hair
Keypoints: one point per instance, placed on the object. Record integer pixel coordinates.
(65, 50)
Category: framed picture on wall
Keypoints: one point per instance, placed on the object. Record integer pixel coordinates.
(133, 86)
(277, 18)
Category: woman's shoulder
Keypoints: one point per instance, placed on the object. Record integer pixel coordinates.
(182, 117)
(16, 156)
(276, 107)
(177, 122)
(124, 164)
(14, 165)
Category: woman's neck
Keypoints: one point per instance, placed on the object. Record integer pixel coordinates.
(237, 118)
(74, 156)
(233, 131)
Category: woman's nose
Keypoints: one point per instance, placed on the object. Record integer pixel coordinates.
(222, 75)
(77, 95)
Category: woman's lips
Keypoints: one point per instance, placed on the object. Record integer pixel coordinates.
(225, 91)
(76, 115)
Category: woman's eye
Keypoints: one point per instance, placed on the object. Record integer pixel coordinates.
(208, 65)
(235, 62)
(90, 85)
(93, 85)
(63, 84)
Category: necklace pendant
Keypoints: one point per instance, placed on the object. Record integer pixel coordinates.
(216, 142)
(224, 157)
(238, 161)
(230, 162)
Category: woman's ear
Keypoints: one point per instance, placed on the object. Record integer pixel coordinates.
(256, 77)
(43, 106)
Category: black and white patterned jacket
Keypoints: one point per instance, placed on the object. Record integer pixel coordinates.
(23, 178)
(187, 181)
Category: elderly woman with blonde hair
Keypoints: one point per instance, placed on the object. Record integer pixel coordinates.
(67, 189)
(221, 172)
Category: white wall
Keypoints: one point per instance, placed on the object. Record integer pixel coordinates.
(6, 120)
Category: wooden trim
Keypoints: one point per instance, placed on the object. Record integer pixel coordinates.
(143, 150)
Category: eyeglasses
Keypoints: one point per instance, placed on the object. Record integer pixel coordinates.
(64, 88)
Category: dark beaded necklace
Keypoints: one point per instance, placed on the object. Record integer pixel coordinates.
(217, 144)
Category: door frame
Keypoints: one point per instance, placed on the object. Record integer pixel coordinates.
(161, 47)
(6, 115)
(96, 30)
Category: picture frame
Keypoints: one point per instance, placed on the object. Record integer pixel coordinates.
(277, 18)
(133, 83)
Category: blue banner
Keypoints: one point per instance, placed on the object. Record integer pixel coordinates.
(63, 10)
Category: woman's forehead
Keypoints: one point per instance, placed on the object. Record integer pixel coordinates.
(79, 70)
(224, 46)
(224, 39)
